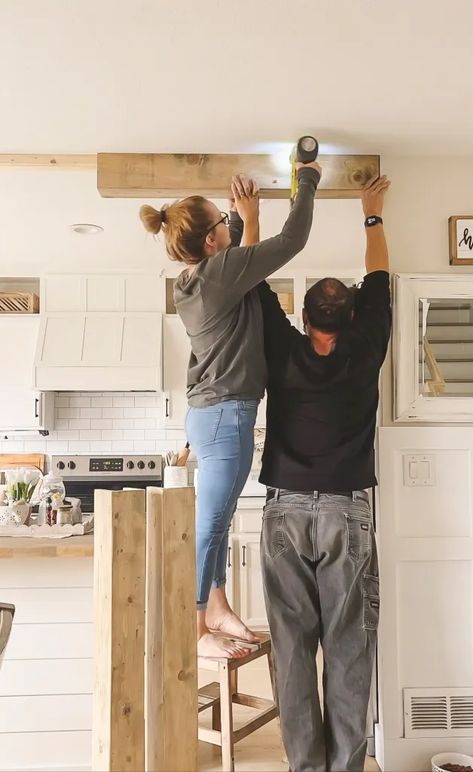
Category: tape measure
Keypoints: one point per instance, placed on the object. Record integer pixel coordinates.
(305, 151)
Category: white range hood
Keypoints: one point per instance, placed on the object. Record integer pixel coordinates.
(99, 352)
(100, 333)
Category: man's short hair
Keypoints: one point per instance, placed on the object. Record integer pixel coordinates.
(329, 305)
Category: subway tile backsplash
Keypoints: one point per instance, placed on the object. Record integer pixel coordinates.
(102, 423)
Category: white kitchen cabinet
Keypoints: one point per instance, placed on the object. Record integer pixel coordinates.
(252, 608)
(26, 410)
(246, 579)
(73, 293)
(176, 351)
(425, 639)
(21, 407)
(46, 678)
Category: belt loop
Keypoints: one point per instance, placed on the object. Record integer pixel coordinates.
(353, 495)
(316, 495)
(278, 491)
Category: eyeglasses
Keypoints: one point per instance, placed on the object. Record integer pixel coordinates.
(225, 219)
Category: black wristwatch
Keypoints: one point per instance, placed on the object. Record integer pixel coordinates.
(373, 219)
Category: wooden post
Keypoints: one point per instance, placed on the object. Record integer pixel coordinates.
(119, 605)
(171, 660)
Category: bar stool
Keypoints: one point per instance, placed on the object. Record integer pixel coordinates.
(221, 695)
(7, 611)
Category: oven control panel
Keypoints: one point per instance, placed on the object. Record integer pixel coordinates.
(106, 465)
(70, 467)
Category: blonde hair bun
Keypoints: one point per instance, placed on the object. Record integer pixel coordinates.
(151, 218)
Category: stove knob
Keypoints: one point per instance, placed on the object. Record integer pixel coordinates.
(71, 465)
(130, 465)
(151, 464)
(140, 465)
(60, 465)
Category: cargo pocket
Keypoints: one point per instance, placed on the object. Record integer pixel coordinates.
(370, 602)
(358, 536)
(273, 536)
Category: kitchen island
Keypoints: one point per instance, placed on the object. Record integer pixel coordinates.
(46, 678)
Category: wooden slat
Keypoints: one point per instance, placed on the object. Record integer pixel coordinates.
(208, 696)
(256, 723)
(252, 702)
(154, 175)
(69, 162)
(211, 736)
(171, 660)
(119, 597)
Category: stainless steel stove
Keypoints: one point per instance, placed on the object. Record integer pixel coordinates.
(82, 475)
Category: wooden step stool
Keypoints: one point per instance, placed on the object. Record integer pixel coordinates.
(221, 695)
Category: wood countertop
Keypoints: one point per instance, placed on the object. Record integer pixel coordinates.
(28, 547)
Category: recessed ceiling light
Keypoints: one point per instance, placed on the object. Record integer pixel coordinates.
(86, 229)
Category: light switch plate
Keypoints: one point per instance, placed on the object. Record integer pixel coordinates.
(419, 470)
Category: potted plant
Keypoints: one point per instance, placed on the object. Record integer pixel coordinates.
(21, 484)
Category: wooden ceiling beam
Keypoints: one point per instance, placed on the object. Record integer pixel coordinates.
(65, 162)
(156, 175)
(161, 175)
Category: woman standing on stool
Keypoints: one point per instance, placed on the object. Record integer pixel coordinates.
(217, 300)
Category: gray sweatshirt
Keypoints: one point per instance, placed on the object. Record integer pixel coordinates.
(221, 309)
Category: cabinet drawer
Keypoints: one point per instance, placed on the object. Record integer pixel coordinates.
(248, 520)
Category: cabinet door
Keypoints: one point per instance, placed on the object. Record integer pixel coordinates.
(18, 337)
(20, 409)
(26, 409)
(63, 292)
(252, 608)
(101, 292)
(232, 559)
(176, 359)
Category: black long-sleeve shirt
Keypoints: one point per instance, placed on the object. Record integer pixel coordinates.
(321, 412)
(221, 310)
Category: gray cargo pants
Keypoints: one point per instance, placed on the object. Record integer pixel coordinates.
(320, 575)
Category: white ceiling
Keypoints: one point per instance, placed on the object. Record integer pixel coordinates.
(382, 76)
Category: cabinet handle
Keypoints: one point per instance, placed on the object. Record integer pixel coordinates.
(167, 407)
(243, 549)
(36, 406)
(229, 559)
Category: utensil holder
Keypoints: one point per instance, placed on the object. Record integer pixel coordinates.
(176, 477)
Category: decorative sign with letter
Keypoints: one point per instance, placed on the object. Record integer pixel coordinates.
(460, 230)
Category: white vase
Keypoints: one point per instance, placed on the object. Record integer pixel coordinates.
(22, 511)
